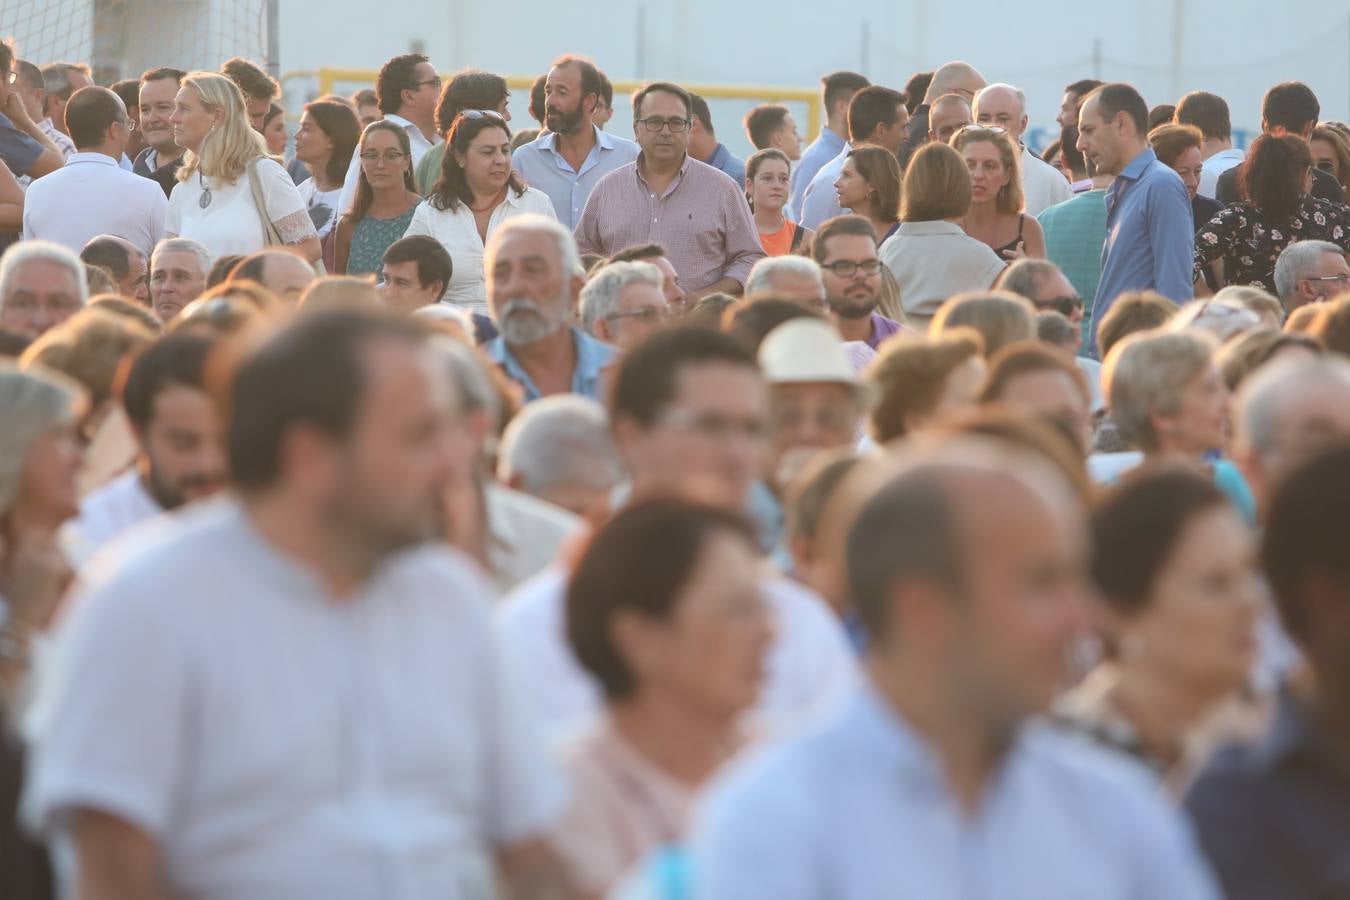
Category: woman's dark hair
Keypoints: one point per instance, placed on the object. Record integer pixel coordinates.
(452, 187)
(639, 562)
(272, 112)
(1170, 141)
(365, 195)
(339, 122)
(916, 89)
(537, 100)
(221, 269)
(1135, 528)
(881, 170)
(758, 159)
(470, 89)
(1271, 177)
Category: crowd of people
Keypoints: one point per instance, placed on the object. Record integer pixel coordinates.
(451, 511)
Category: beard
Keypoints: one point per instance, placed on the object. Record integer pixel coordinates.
(560, 122)
(171, 494)
(854, 304)
(522, 321)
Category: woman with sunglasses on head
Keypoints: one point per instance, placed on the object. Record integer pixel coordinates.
(996, 214)
(476, 192)
(385, 200)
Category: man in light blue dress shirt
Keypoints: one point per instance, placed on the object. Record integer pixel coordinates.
(705, 147)
(967, 568)
(836, 90)
(1150, 232)
(572, 154)
(876, 115)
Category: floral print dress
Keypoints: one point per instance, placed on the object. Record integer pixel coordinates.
(1249, 244)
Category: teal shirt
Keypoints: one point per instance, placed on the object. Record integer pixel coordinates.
(1074, 233)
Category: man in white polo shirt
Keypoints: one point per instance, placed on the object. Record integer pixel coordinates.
(1005, 106)
(91, 195)
(289, 693)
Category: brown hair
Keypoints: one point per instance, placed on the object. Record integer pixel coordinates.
(1301, 320)
(936, 185)
(1332, 325)
(1000, 317)
(881, 170)
(839, 225)
(758, 159)
(1132, 311)
(910, 374)
(1024, 358)
(1242, 356)
(1170, 141)
(365, 195)
(1340, 146)
(89, 347)
(1271, 177)
(1010, 199)
(340, 125)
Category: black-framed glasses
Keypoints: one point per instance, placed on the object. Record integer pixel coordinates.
(1065, 306)
(390, 157)
(1340, 279)
(847, 268)
(654, 124)
(418, 85)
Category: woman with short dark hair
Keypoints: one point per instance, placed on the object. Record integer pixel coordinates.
(665, 611)
(1277, 208)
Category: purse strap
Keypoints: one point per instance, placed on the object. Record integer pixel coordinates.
(272, 236)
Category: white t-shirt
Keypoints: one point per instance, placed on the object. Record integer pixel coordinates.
(230, 223)
(1042, 184)
(322, 205)
(810, 664)
(277, 742)
(108, 512)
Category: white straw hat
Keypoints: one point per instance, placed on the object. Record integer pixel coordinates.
(808, 349)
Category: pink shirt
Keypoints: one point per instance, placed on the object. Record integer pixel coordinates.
(702, 220)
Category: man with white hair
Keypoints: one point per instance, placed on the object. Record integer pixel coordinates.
(533, 274)
(178, 270)
(623, 302)
(41, 284)
(794, 278)
(559, 449)
(1310, 272)
(1005, 106)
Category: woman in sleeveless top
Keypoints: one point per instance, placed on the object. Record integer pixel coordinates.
(996, 202)
(384, 203)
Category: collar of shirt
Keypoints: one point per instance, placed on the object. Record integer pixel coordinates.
(603, 139)
(674, 183)
(592, 357)
(829, 138)
(719, 156)
(925, 229)
(1137, 165)
(414, 132)
(84, 156)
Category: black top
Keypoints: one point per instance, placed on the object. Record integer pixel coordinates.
(916, 136)
(1324, 186)
(1011, 246)
(1274, 816)
(165, 176)
(1249, 242)
(24, 874)
(1202, 210)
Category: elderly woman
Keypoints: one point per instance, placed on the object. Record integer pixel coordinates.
(1175, 568)
(1001, 318)
(1168, 399)
(665, 611)
(930, 255)
(921, 379)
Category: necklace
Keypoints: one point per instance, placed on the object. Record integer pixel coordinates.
(495, 200)
(205, 199)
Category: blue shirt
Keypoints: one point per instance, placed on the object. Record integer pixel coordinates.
(18, 150)
(820, 151)
(1150, 241)
(593, 357)
(543, 167)
(723, 161)
(858, 809)
(1274, 815)
(821, 200)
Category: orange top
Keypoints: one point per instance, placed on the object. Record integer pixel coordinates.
(778, 243)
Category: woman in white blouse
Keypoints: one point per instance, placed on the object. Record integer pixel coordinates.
(213, 202)
(476, 192)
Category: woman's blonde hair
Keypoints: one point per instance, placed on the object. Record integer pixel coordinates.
(910, 374)
(32, 403)
(231, 146)
(936, 185)
(89, 347)
(1145, 375)
(1010, 200)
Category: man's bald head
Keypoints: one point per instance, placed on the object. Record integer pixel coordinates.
(954, 78)
(282, 272)
(1002, 105)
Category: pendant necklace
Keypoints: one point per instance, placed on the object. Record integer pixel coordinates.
(205, 200)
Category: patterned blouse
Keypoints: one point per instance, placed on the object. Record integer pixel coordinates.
(1249, 245)
(371, 237)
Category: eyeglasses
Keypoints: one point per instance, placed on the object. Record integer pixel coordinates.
(825, 418)
(1065, 306)
(646, 315)
(1326, 165)
(715, 427)
(418, 85)
(847, 268)
(475, 114)
(977, 129)
(654, 124)
(1339, 279)
(390, 157)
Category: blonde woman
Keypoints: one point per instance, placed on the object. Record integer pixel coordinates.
(213, 202)
(997, 206)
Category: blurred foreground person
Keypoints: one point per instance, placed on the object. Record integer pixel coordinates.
(931, 781)
(176, 766)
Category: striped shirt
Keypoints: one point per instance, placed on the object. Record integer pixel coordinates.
(702, 220)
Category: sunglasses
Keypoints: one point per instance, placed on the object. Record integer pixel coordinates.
(1065, 306)
(475, 114)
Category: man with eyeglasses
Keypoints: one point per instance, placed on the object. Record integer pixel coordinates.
(846, 251)
(24, 147)
(622, 304)
(698, 214)
(1005, 106)
(109, 200)
(1310, 272)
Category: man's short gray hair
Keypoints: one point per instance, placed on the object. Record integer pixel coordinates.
(184, 245)
(1146, 373)
(1026, 276)
(532, 223)
(1269, 390)
(56, 78)
(24, 252)
(760, 280)
(600, 296)
(556, 441)
(1294, 263)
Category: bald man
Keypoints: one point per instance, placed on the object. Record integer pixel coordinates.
(1005, 106)
(284, 273)
(951, 78)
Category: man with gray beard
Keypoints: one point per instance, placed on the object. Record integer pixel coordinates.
(534, 276)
